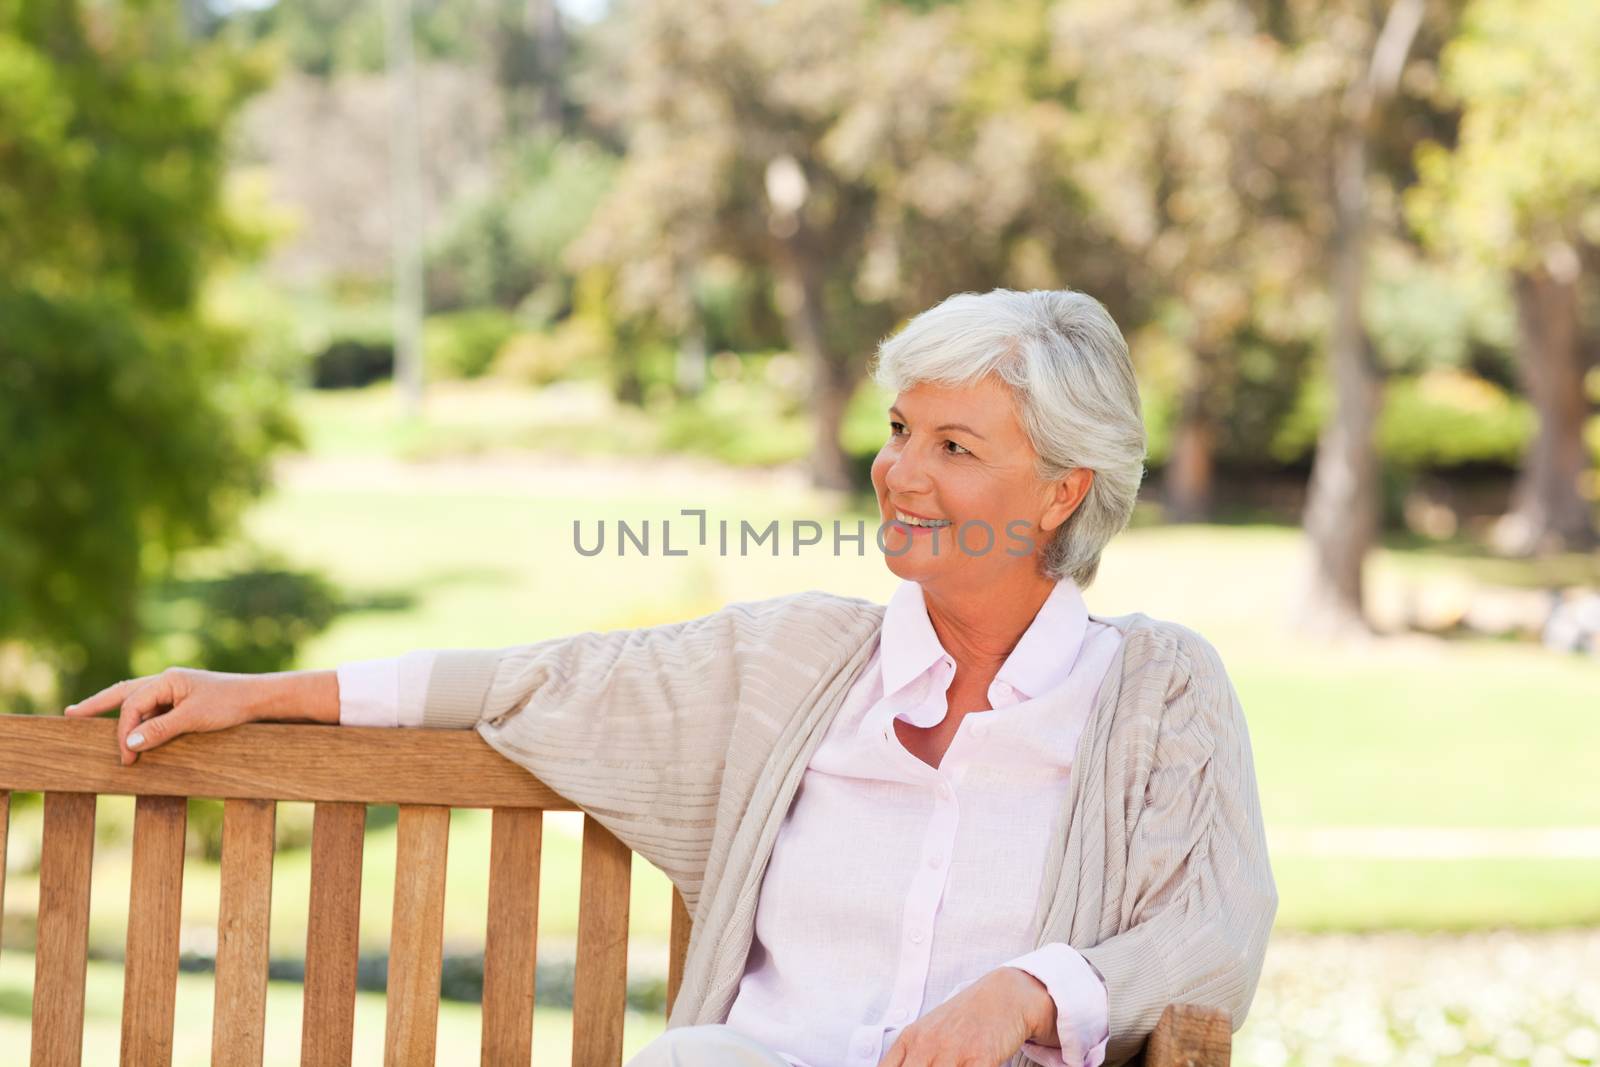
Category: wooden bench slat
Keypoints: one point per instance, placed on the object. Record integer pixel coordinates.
(271, 761)
(71, 761)
(5, 825)
(1188, 1035)
(416, 936)
(327, 1033)
(511, 947)
(682, 925)
(244, 921)
(65, 865)
(600, 986)
(155, 910)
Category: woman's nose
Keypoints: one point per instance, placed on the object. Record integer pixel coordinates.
(905, 474)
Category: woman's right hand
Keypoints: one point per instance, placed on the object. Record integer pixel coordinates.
(180, 700)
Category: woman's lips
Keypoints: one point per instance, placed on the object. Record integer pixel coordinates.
(909, 528)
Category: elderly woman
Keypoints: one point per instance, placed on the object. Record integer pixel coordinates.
(974, 825)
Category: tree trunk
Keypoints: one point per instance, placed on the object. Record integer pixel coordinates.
(830, 393)
(405, 206)
(690, 366)
(1190, 470)
(1341, 516)
(627, 387)
(550, 47)
(1549, 512)
(1342, 504)
(800, 283)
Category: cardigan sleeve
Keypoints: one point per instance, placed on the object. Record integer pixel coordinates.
(590, 677)
(633, 726)
(1199, 898)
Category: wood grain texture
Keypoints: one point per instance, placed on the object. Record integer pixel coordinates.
(5, 825)
(332, 945)
(416, 935)
(155, 909)
(65, 865)
(511, 948)
(600, 986)
(271, 761)
(682, 927)
(244, 921)
(1190, 1036)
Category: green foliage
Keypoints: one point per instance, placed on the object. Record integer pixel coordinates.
(1425, 314)
(324, 37)
(578, 346)
(1526, 168)
(1441, 419)
(350, 363)
(743, 423)
(463, 344)
(255, 621)
(136, 423)
(1445, 419)
(505, 248)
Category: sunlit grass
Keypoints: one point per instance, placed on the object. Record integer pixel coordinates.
(459, 1033)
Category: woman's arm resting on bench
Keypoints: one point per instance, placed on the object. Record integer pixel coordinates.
(181, 700)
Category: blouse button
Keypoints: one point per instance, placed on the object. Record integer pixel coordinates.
(916, 936)
(935, 861)
(979, 729)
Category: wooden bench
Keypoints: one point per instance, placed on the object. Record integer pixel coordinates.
(426, 773)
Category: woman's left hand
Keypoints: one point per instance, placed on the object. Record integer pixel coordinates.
(981, 1026)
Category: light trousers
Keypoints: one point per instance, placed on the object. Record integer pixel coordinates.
(709, 1045)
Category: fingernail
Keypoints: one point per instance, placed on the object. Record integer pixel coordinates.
(135, 739)
(71, 706)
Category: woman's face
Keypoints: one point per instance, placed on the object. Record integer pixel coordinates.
(960, 455)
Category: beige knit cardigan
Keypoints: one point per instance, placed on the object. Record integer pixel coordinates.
(688, 741)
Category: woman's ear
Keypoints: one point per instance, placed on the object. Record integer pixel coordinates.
(1067, 494)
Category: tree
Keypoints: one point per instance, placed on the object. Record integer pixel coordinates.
(135, 425)
(863, 160)
(1518, 193)
(1342, 504)
(725, 108)
(1193, 161)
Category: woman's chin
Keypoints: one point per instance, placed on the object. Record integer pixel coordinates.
(911, 560)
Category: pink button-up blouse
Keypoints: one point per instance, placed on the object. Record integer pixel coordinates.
(894, 885)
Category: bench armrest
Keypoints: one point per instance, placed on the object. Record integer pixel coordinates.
(1189, 1036)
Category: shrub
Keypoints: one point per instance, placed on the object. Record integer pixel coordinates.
(350, 363)
(576, 346)
(254, 621)
(463, 344)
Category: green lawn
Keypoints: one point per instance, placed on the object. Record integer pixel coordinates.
(449, 553)
(1406, 733)
(459, 1024)
(466, 888)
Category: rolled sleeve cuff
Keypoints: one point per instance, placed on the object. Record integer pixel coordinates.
(369, 692)
(1082, 1007)
(385, 692)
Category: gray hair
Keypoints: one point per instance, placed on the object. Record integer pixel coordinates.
(1077, 399)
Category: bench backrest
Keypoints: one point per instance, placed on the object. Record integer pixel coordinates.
(251, 768)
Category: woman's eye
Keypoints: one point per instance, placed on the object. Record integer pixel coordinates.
(898, 429)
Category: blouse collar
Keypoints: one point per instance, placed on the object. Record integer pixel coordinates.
(1041, 660)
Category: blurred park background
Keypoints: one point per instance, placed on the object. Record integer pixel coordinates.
(323, 321)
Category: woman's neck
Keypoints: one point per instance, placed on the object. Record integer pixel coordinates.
(980, 627)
